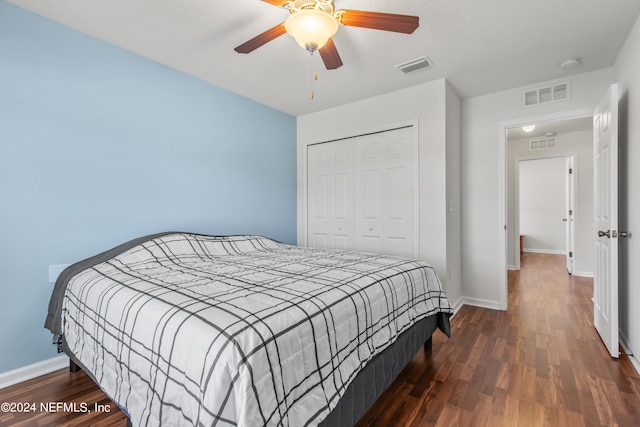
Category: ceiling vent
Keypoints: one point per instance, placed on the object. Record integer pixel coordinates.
(544, 95)
(541, 144)
(416, 64)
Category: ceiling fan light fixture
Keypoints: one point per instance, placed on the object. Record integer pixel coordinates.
(311, 28)
(569, 63)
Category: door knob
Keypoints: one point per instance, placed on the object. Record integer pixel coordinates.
(604, 233)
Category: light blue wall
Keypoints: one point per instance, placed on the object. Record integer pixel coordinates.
(98, 146)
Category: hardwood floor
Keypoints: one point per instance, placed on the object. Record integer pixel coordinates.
(539, 364)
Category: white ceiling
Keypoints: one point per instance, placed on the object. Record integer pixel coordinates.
(479, 46)
(556, 127)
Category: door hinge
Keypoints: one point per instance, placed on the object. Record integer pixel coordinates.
(570, 211)
(570, 171)
(570, 254)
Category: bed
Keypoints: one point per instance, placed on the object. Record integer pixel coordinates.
(186, 329)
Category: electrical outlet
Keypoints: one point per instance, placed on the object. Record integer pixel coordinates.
(55, 270)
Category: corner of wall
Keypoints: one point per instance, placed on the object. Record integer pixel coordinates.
(453, 106)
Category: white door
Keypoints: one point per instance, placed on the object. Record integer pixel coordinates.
(330, 190)
(385, 193)
(569, 210)
(605, 281)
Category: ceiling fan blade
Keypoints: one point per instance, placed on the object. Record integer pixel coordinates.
(279, 3)
(330, 55)
(406, 24)
(261, 39)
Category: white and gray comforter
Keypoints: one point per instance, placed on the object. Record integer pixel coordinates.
(193, 330)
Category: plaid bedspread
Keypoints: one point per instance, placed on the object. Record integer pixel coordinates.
(186, 329)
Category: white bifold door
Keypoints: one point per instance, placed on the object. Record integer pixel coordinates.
(330, 181)
(362, 193)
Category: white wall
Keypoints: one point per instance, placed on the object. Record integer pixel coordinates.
(627, 73)
(483, 236)
(542, 204)
(436, 108)
(579, 144)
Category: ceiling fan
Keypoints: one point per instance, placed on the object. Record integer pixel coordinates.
(312, 23)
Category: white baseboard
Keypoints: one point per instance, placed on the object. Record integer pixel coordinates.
(627, 349)
(34, 370)
(584, 274)
(483, 303)
(511, 267)
(545, 251)
(456, 306)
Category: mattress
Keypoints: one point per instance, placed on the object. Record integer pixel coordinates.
(187, 329)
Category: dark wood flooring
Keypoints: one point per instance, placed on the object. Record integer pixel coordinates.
(541, 363)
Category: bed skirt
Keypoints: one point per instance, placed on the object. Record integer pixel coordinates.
(378, 375)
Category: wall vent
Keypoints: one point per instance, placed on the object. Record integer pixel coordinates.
(416, 64)
(543, 95)
(541, 144)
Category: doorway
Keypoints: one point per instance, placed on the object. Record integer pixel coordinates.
(544, 213)
(548, 138)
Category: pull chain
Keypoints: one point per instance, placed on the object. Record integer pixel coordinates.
(314, 75)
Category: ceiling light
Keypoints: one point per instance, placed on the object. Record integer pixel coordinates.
(311, 24)
(569, 63)
(528, 128)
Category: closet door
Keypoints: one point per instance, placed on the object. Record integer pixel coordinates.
(330, 221)
(385, 193)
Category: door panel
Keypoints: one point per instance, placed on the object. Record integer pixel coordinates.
(387, 178)
(371, 194)
(569, 213)
(341, 207)
(396, 193)
(605, 281)
(330, 195)
(319, 183)
(397, 246)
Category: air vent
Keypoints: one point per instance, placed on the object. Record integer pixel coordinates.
(543, 95)
(541, 144)
(416, 64)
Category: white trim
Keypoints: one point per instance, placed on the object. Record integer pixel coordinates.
(502, 188)
(633, 358)
(545, 251)
(457, 306)
(482, 303)
(503, 301)
(32, 371)
(584, 274)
